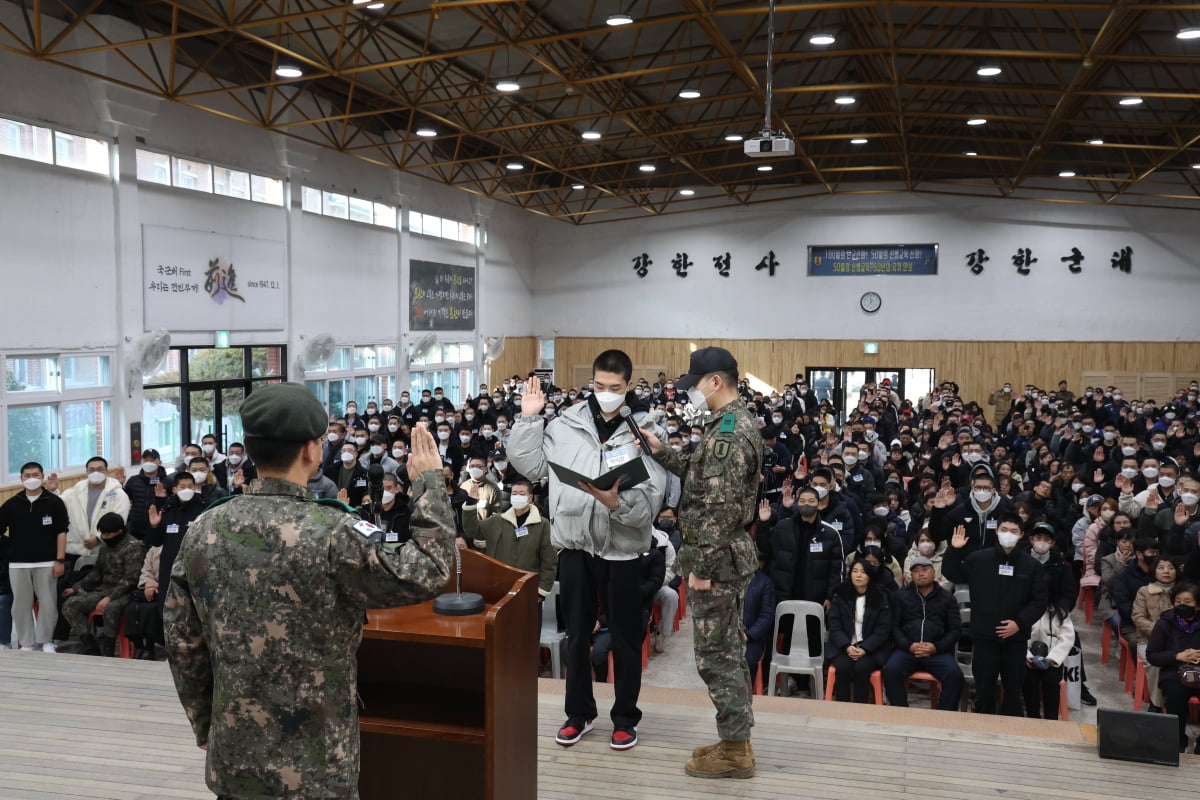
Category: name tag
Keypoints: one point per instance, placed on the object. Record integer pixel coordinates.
(360, 482)
(857, 477)
(1006, 570)
(837, 526)
(816, 547)
(522, 531)
(172, 529)
(617, 456)
(991, 524)
(155, 479)
(391, 537)
(47, 520)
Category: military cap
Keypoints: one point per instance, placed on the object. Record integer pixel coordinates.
(706, 361)
(284, 411)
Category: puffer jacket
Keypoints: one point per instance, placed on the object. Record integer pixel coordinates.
(577, 520)
(1148, 606)
(1058, 634)
(877, 622)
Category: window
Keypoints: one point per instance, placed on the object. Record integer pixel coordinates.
(335, 205)
(231, 183)
(453, 368)
(545, 354)
(360, 373)
(49, 146)
(80, 152)
(362, 210)
(310, 200)
(348, 207)
(442, 228)
(266, 190)
(153, 167)
(81, 372)
(194, 175)
(385, 215)
(201, 176)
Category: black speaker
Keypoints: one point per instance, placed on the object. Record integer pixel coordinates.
(1139, 736)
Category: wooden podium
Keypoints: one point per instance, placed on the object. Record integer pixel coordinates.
(448, 705)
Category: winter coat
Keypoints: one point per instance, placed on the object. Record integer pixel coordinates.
(112, 500)
(804, 559)
(877, 622)
(1167, 640)
(981, 529)
(1020, 596)
(140, 491)
(758, 610)
(1058, 634)
(1091, 543)
(918, 618)
(530, 551)
(1125, 587)
(1148, 606)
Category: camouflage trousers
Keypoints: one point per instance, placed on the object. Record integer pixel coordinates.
(720, 643)
(77, 607)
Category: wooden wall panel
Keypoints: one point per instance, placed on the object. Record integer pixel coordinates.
(519, 357)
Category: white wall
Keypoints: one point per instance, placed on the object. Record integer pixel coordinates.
(585, 284)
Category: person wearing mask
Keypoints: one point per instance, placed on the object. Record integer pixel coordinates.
(833, 507)
(1002, 400)
(1050, 642)
(1151, 601)
(1160, 488)
(860, 483)
(486, 495)
(394, 510)
(926, 628)
(331, 445)
(1061, 587)
(667, 596)
(349, 477)
(519, 537)
(87, 501)
(599, 535)
(216, 460)
(1174, 646)
(1176, 527)
(441, 402)
(979, 514)
(377, 453)
(206, 484)
(1135, 575)
(925, 546)
(105, 589)
(860, 632)
(241, 468)
(140, 489)
(803, 553)
(1008, 595)
(667, 522)
(36, 523)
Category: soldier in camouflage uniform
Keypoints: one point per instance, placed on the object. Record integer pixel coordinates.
(720, 481)
(265, 610)
(106, 588)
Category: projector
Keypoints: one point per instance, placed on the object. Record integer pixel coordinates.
(769, 147)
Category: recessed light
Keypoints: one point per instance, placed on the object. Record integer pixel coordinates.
(733, 137)
(1190, 32)
(970, 153)
(859, 140)
(591, 135)
(687, 192)
(616, 20)
(977, 121)
(765, 168)
(1130, 101)
(375, 6)
(361, 2)
(822, 39)
(1095, 141)
(288, 71)
(507, 86)
(514, 165)
(845, 100)
(1195, 166)
(689, 94)
(988, 70)
(1067, 173)
(426, 132)
(577, 186)
(647, 168)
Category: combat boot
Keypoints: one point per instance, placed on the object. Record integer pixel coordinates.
(726, 759)
(107, 645)
(704, 749)
(88, 645)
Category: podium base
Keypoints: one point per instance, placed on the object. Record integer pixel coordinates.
(454, 604)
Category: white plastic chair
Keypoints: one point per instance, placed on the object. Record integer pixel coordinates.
(800, 660)
(551, 637)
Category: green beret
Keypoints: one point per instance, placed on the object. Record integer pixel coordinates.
(286, 411)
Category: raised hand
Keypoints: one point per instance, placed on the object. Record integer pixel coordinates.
(1181, 514)
(473, 490)
(343, 496)
(155, 516)
(1152, 498)
(533, 399)
(423, 454)
(764, 510)
(1125, 485)
(160, 490)
(1098, 476)
(51, 482)
(946, 495)
(959, 540)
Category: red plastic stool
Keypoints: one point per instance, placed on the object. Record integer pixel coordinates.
(1087, 599)
(935, 686)
(125, 647)
(876, 684)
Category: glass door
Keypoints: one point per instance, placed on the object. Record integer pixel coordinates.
(231, 415)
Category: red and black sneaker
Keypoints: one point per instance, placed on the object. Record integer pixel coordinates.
(624, 738)
(572, 731)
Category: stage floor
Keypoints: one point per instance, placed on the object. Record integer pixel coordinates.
(79, 727)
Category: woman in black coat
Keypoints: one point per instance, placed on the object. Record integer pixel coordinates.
(860, 631)
(1175, 642)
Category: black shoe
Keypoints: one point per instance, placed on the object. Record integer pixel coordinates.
(1153, 709)
(108, 647)
(572, 731)
(1086, 697)
(88, 646)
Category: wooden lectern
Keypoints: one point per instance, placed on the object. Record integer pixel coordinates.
(448, 705)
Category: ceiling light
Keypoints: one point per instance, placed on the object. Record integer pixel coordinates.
(1195, 166)
(375, 6)
(1067, 173)
(647, 168)
(361, 2)
(687, 192)
(733, 137)
(1130, 101)
(970, 153)
(822, 39)
(426, 132)
(591, 135)
(765, 168)
(577, 186)
(507, 85)
(288, 71)
(689, 94)
(859, 140)
(988, 70)
(845, 100)
(977, 121)
(514, 165)
(1191, 32)
(1095, 141)
(616, 20)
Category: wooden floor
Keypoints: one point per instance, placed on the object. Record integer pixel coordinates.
(78, 727)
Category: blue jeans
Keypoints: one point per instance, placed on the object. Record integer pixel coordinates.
(6, 601)
(942, 666)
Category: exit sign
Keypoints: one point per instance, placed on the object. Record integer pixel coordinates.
(222, 339)
(871, 348)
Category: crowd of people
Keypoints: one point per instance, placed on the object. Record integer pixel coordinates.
(935, 535)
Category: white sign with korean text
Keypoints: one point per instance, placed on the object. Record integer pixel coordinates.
(199, 281)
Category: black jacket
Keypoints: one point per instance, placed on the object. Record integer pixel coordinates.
(1020, 596)
(1061, 586)
(758, 611)
(358, 482)
(877, 622)
(981, 529)
(33, 528)
(176, 518)
(1125, 587)
(805, 560)
(918, 618)
(1166, 641)
(141, 497)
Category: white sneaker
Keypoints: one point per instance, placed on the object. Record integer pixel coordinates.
(49, 647)
(25, 649)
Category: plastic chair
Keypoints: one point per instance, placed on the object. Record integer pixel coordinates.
(551, 637)
(1106, 641)
(876, 684)
(799, 661)
(935, 686)
(1087, 599)
(125, 647)
(1141, 692)
(682, 598)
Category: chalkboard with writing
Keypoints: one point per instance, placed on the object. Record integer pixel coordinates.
(441, 296)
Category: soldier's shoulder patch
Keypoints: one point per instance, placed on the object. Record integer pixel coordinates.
(728, 423)
(332, 503)
(721, 449)
(367, 529)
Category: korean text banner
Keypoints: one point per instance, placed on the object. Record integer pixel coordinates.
(441, 296)
(873, 259)
(200, 281)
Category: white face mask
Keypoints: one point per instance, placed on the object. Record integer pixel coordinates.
(388, 496)
(501, 426)
(360, 440)
(208, 449)
(1089, 428)
(443, 435)
(332, 437)
(1008, 540)
(1150, 473)
(678, 448)
(465, 438)
(1128, 451)
(32, 484)
(1166, 482)
(373, 427)
(698, 399)
(926, 548)
(777, 420)
(882, 511)
(96, 478)
(1041, 547)
(1075, 487)
(185, 495)
(468, 417)
(609, 401)
(972, 458)
(439, 418)
(235, 460)
(500, 465)
(672, 429)
(1116, 397)
(1110, 435)
(438, 396)
(398, 452)
(694, 438)
(475, 472)
(376, 449)
(850, 460)
(200, 477)
(488, 434)
(1107, 514)
(149, 467)
(1189, 498)
(348, 458)
(982, 495)
(393, 428)
(1158, 444)
(484, 406)
(1129, 472)
(520, 501)
(822, 492)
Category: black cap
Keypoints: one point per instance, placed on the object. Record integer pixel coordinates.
(706, 361)
(150, 452)
(285, 411)
(500, 453)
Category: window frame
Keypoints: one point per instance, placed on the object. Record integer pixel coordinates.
(213, 166)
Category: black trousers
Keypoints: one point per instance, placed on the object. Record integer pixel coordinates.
(1003, 658)
(851, 673)
(1041, 692)
(588, 584)
(1175, 701)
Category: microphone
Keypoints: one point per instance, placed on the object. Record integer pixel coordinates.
(375, 489)
(627, 415)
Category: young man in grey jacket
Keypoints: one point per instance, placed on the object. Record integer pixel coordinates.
(599, 534)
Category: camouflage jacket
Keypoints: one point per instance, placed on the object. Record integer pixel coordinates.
(720, 483)
(117, 569)
(263, 620)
